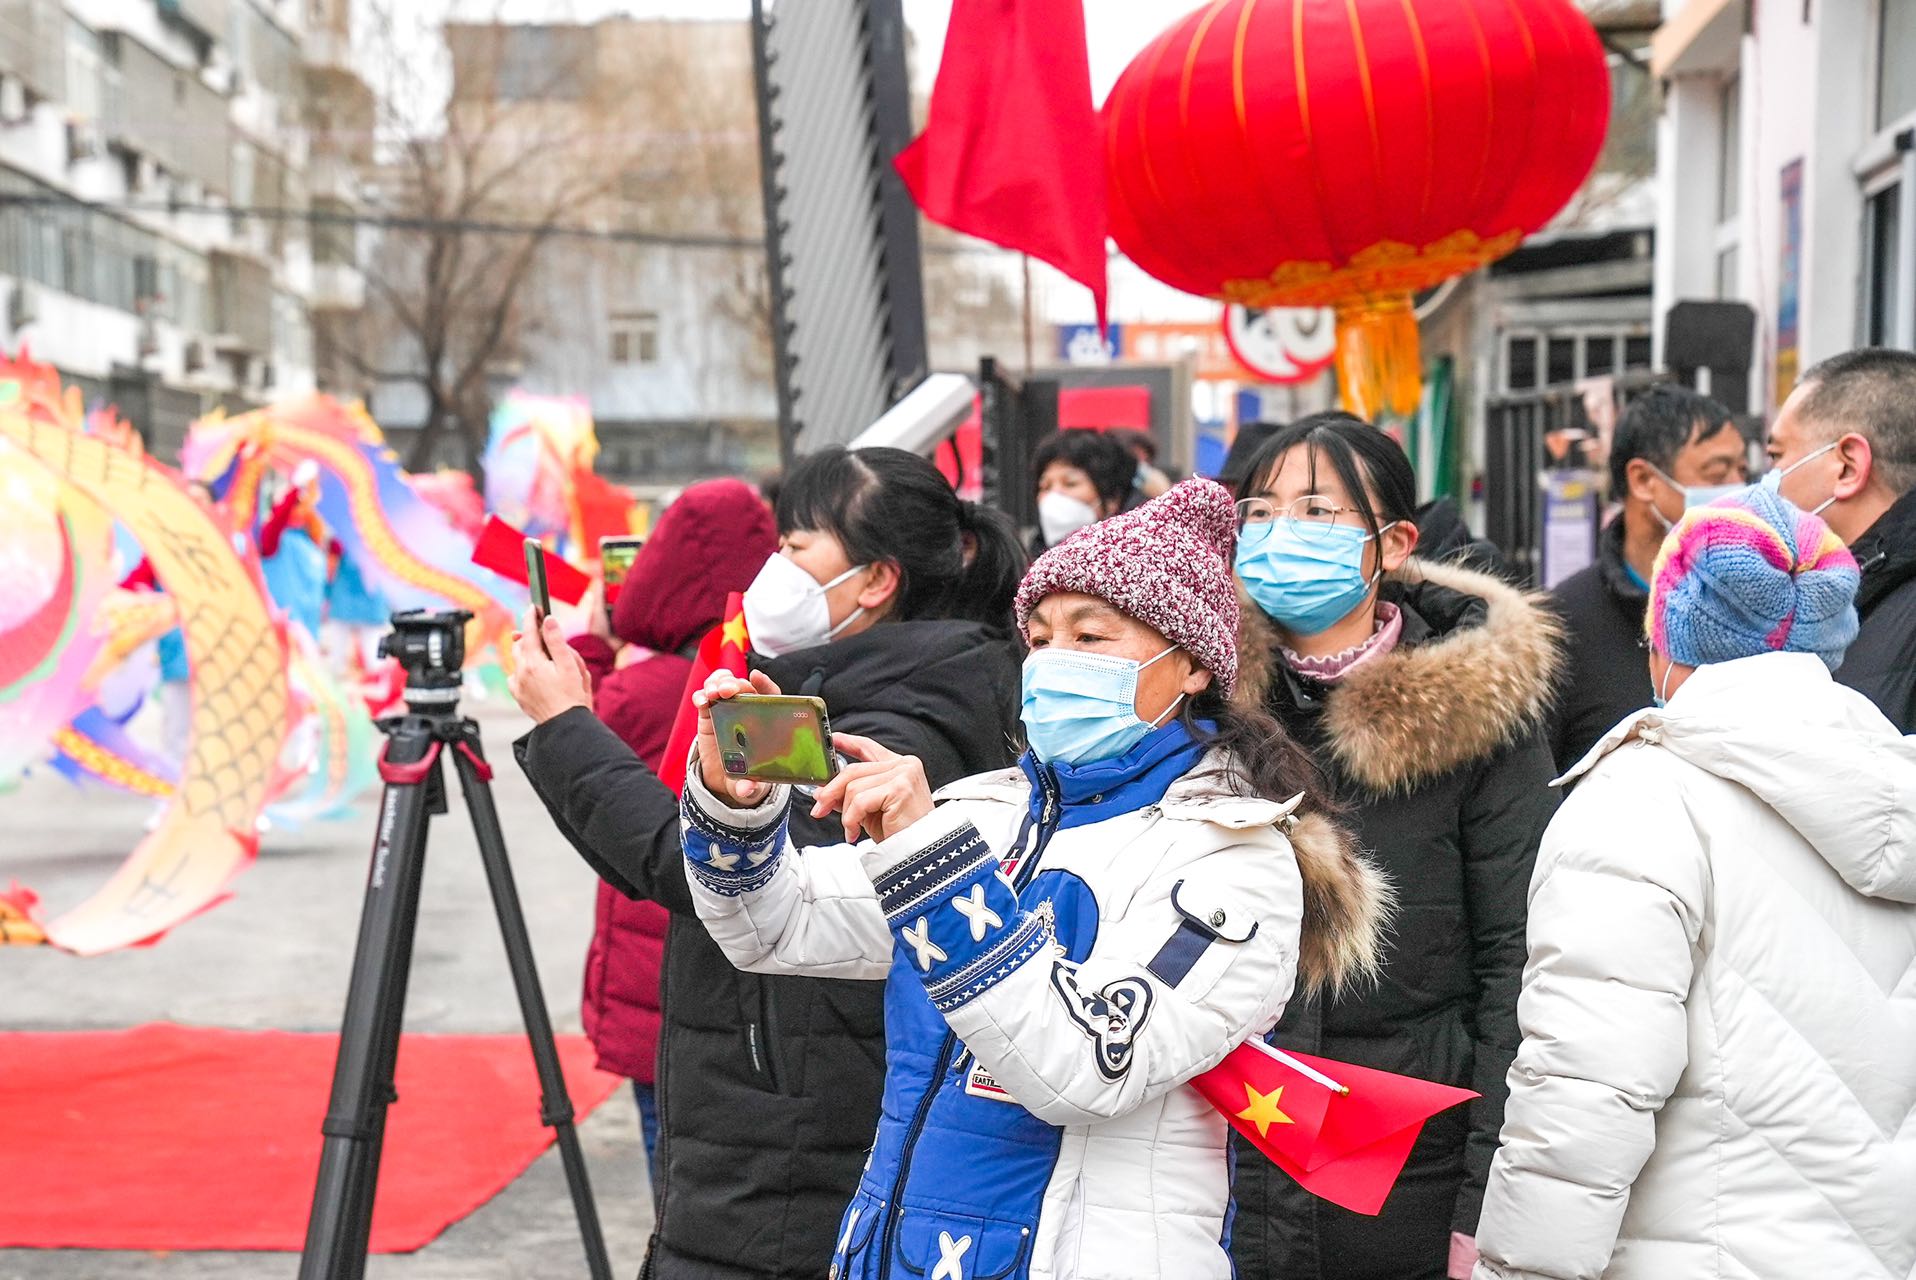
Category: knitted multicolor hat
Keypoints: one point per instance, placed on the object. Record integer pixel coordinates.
(1167, 564)
(1748, 574)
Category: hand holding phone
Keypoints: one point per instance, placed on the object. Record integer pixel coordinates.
(616, 556)
(774, 738)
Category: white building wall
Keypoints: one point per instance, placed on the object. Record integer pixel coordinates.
(1808, 87)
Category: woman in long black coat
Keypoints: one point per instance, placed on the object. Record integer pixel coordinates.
(1420, 689)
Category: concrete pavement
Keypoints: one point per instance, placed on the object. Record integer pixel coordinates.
(277, 955)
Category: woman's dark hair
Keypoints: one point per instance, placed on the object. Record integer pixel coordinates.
(955, 559)
(1268, 762)
(1109, 464)
(1370, 464)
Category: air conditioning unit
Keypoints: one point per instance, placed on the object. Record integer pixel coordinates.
(13, 100)
(22, 310)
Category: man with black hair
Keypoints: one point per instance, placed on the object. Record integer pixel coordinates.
(1674, 449)
(1844, 446)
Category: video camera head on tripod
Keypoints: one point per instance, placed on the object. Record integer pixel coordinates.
(431, 646)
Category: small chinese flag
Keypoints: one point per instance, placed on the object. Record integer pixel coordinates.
(724, 646)
(1342, 1131)
(502, 549)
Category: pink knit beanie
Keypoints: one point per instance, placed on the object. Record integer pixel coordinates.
(1167, 564)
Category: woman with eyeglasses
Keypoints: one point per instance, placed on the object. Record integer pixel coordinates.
(1420, 689)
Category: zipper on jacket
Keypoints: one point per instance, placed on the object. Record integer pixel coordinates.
(1027, 869)
(895, 1210)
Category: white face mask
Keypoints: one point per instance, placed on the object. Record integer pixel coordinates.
(1060, 515)
(1774, 480)
(786, 609)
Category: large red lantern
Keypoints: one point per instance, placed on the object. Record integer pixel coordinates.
(1347, 153)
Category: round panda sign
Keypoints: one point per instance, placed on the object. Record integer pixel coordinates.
(1281, 344)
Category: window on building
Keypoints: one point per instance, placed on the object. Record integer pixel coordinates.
(1599, 355)
(1730, 152)
(1520, 364)
(635, 337)
(1636, 352)
(1882, 241)
(1560, 361)
(1727, 261)
(1896, 66)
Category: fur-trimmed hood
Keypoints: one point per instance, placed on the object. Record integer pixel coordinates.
(1425, 709)
(1347, 907)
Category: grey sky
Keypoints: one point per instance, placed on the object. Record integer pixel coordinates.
(1115, 29)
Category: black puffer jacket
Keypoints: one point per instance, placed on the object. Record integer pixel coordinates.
(769, 1086)
(1607, 675)
(1881, 664)
(1438, 750)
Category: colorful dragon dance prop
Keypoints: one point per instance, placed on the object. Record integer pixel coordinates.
(540, 478)
(399, 542)
(241, 704)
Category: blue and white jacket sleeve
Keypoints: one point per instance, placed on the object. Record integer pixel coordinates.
(1203, 957)
(773, 908)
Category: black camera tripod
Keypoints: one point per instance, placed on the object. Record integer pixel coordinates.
(431, 647)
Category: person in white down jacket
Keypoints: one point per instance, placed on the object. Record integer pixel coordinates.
(1718, 1072)
(1064, 944)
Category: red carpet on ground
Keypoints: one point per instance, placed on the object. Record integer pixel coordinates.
(170, 1137)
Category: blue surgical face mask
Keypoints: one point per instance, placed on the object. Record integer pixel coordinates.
(1773, 478)
(1693, 495)
(1080, 707)
(1306, 579)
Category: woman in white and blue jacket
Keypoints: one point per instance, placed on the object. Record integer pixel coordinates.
(1065, 944)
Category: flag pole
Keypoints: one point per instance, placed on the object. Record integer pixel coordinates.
(1297, 1066)
(1028, 340)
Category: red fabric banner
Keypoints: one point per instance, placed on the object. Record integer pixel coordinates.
(502, 549)
(1011, 151)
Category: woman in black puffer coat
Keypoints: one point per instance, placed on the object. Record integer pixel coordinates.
(1420, 689)
(769, 1086)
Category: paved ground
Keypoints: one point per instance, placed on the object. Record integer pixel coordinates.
(277, 955)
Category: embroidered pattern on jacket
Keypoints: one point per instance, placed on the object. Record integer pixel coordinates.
(1112, 1018)
(1031, 936)
(909, 889)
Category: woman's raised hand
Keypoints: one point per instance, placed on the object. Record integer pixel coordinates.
(548, 676)
(880, 794)
(739, 793)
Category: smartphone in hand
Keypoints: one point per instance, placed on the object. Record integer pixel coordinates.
(615, 561)
(765, 738)
(541, 594)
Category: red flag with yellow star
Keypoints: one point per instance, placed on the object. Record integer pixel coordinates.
(724, 646)
(1342, 1131)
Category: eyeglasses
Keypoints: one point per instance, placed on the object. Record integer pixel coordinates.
(1311, 515)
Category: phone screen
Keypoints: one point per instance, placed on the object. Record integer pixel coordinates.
(774, 739)
(536, 581)
(616, 556)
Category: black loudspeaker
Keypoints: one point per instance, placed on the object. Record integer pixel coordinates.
(1719, 336)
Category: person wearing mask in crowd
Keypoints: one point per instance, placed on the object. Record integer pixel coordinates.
(1844, 447)
(1421, 691)
(1063, 945)
(1718, 1072)
(1083, 477)
(708, 544)
(1673, 450)
(890, 599)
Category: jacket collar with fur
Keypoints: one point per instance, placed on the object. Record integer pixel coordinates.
(1427, 708)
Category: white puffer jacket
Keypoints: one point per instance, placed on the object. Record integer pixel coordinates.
(1718, 1073)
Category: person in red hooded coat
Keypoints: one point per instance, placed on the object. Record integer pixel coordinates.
(708, 544)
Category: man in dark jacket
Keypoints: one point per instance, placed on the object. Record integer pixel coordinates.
(708, 544)
(769, 1085)
(1674, 449)
(1844, 446)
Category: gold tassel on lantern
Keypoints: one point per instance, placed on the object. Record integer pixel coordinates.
(1377, 355)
